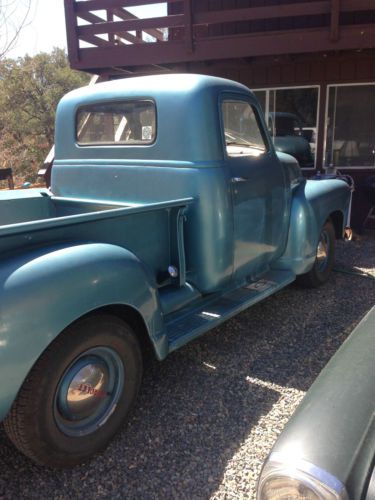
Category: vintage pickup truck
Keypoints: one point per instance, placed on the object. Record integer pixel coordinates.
(168, 212)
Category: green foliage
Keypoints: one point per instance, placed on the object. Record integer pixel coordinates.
(30, 88)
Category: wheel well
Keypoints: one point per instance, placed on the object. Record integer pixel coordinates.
(134, 319)
(337, 219)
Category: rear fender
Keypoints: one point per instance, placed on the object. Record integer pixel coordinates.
(44, 291)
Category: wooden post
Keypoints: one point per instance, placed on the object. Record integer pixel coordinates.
(111, 36)
(10, 181)
(188, 12)
(319, 161)
(335, 20)
(71, 32)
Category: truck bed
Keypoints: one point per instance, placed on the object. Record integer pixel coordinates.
(33, 218)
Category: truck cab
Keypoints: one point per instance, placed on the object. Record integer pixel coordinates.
(208, 141)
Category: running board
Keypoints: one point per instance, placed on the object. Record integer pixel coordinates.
(192, 323)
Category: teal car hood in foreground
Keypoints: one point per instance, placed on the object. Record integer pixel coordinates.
(331, 436)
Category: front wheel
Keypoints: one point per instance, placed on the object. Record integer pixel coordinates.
(78, 393)
(324, 260)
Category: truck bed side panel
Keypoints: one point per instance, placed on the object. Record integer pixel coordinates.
(148, 232)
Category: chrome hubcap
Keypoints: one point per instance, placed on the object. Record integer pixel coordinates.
(89, 391)
(86, 389)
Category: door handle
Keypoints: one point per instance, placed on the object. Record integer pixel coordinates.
(236, 180)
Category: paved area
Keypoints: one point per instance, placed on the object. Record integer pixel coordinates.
(208, 416)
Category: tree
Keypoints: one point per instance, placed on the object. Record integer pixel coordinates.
(13, 18)
(30, 89)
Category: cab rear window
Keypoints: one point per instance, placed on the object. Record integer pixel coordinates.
(117, 123)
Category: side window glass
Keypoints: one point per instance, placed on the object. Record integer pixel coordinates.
(241, 129)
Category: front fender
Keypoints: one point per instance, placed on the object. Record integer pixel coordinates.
(313, 202)
(45, 290)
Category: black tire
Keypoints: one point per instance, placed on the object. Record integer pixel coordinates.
(322, 268)
(60, 431)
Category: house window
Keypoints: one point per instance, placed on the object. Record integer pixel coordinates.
(292, 118)
(350, 138)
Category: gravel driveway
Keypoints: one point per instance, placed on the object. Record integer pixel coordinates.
(208, 415)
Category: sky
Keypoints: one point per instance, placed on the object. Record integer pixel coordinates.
(46, 26)
(45, 29)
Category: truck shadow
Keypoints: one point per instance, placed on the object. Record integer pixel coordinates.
(198, 408)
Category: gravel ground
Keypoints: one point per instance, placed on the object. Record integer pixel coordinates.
(208, 415)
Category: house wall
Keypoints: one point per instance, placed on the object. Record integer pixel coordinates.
(323, 70)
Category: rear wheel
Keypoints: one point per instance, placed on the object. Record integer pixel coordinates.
(78, 393)
(324, 261)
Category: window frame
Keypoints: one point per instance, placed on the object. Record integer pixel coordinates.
(243, 98)
(296, 87)
(113, 143)
(351, 167)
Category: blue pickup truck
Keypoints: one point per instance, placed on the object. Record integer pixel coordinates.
(169, 211)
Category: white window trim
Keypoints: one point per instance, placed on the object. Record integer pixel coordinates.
(351, 167)
(265, 89)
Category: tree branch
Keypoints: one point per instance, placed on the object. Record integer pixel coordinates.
(10, 31)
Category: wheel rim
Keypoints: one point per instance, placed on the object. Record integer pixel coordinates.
(322, 252)
(88, 391)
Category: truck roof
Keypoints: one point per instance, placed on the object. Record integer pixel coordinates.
(188, 122)
(155, 85)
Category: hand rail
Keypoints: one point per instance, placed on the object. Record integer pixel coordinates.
(189, 29)
(192, 17)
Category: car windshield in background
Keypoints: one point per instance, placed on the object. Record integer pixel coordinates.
(119, 123)
(286, 126)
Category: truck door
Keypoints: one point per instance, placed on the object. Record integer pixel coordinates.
(258, 188)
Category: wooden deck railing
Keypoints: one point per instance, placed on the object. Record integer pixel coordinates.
(104, 33)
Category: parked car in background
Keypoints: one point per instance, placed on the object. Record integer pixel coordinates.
(289, 137)
(327, 450)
